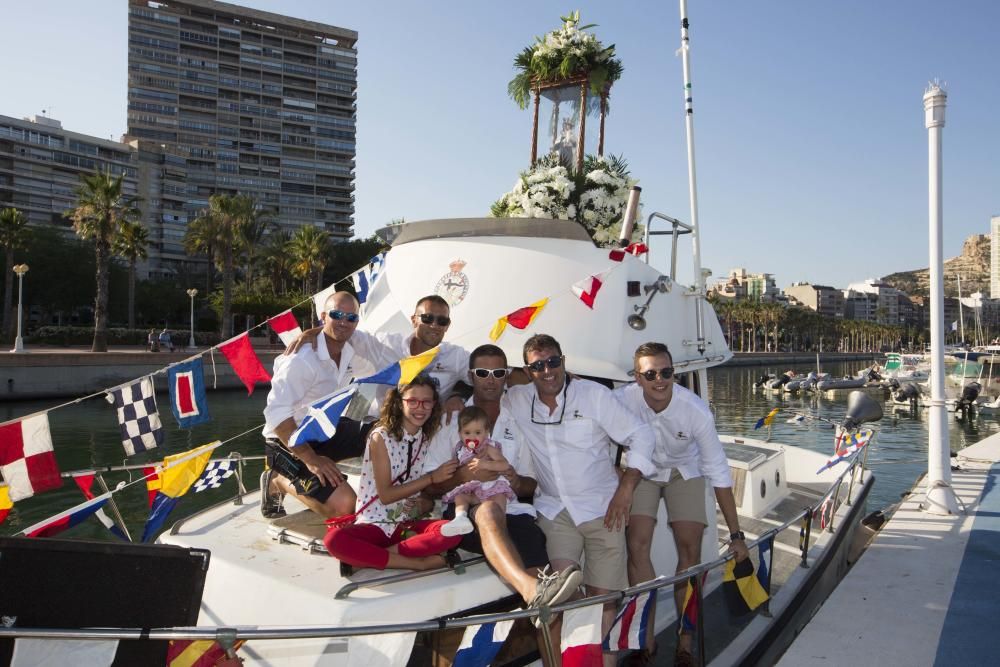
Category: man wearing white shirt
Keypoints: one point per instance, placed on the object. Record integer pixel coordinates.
(512, 542)
(688, 452)
(300, 380)
(583, 503)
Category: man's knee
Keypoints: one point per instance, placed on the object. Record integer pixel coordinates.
(489, 516)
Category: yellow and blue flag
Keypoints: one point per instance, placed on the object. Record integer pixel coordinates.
(403, 371)
(178, 472)
(766, 421)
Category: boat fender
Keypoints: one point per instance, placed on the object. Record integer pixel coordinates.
(875, 520)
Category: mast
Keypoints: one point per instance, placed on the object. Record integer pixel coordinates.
(699, 277)
(940, 496)
(961, 315)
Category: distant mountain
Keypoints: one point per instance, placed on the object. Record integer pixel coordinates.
(973, 265)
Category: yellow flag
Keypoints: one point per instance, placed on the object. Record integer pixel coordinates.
(410, 367)
(741, 588)
(182, 470)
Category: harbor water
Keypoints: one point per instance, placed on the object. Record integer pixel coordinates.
(86, 436)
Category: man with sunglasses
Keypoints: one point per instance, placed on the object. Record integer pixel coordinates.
(308, 471)
(512, 542)
(688, 452)
(568, 424)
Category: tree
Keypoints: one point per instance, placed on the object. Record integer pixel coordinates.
(202, 238)
(250, 233)
(132, 243)
(13, 236)
(310, 251)
(277, 260)
(102, 206)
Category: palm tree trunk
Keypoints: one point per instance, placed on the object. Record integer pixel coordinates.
(101, 300)
(227, 292)
(131, 293)
(8, 293)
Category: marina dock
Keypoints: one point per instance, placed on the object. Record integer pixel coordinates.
(925, 592)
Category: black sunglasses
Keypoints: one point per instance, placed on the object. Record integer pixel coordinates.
(498, 373)
(665, 373)
(442, 320)
(555, 361)
(341, 315)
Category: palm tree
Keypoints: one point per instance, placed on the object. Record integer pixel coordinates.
(251, 233)
(310, 251)
(132, 242)
(13, 235)
(101, 208)
(276, 257)
(202, 238)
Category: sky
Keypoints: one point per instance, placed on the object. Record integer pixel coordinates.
(809, 124)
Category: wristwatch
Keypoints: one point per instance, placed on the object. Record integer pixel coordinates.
(738, 535)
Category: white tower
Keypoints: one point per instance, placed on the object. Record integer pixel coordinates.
(940, 495)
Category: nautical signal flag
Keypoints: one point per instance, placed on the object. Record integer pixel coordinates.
(764, 568)
(152, 476)
(27, 461)
(403, 371)
(519, 319)
(68, 518)
(6, 504)
(689, 620)
(214, 474)
(86, 482)
(847, 445)
(320, 422)
(177, 473)
(197, 652)
(766, 421)
(187, 393)
(587, 288)
(741, 588)
(239, 352)
(138, 419)
(630, 626)
(286, 326)
(481, 643)
(581, 637)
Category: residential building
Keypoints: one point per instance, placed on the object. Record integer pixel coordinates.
(872, 301)
(823, 299)
(225, 99)
(41, 164)
(740, 285)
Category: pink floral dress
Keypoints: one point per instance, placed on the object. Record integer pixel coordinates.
(481, 490)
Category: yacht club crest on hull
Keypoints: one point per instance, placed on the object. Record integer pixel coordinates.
(453, 286)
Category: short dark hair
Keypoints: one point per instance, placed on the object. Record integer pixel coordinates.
(651, 349)
(432, 298)
(472, 413)
(487, 350)
(540, 342)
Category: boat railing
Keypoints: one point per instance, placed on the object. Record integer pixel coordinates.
(678, 228)
(694, 576)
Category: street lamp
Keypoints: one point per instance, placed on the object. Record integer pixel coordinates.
(192, 293)
(20, 270)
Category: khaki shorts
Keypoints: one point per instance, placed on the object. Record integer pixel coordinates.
(602, 551)
(685, 498)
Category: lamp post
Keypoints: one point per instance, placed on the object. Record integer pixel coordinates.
(20, 270)
(192, 293)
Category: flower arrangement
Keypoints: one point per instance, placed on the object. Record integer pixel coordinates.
(562, 54)
(596, 197)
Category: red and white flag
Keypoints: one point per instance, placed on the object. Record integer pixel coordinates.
(244, 361)
(587, 288)
(286, 326)
(581, 637)
(27, 461)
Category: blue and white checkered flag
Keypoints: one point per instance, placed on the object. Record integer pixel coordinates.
(137, 416)
(215, 472)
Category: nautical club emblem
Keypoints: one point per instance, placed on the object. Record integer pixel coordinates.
(454, 285)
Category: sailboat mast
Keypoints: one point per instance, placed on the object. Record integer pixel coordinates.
(699, 277)
(961, 315)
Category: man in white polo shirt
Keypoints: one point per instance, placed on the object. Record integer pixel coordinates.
(583, 505)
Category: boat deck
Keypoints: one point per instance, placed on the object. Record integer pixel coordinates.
(925, 592)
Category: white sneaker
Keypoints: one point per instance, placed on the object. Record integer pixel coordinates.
(460, 525)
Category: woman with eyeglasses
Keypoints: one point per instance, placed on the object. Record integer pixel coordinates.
(386, 531)
(688, 455)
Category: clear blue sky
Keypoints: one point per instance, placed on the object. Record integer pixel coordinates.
(812, 154)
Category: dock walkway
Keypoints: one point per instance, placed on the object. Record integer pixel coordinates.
(925, 592)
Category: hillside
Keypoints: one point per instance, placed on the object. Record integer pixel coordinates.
(973, 265)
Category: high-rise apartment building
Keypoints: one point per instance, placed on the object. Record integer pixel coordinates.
(41, 164)
(225, 99)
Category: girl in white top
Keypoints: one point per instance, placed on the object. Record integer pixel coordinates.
(385, 534)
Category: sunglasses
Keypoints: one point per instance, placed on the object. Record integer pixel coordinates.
(665, 373)
(441, 320)
(341, 315)
(417, 403)
(498, 373)
(555, 361)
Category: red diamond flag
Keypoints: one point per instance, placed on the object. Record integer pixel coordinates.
(587, 288)
(27, 461)
(286, 326)
(244, 361)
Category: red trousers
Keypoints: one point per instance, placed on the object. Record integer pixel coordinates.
(365, 544)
